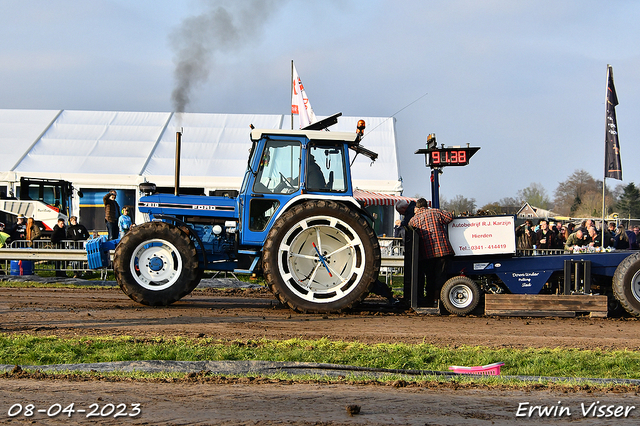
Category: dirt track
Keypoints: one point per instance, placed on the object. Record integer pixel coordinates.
(252, 314)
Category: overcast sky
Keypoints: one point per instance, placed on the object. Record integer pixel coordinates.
(523, 80)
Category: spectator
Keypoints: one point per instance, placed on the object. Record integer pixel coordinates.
(608, 238)
(571, 227)
(111, 213)
(33, 230)
(558, 228)
(636, 230)
(625, 239)
(584, 226)
(525, 236)
(577, 239)
(19, 231)
(398, 230)
(595, 239)
(124, 222)
(621, 240)
(57, 237)
(406, 209)
(545, 237)
(76, 231)
(435, 249)
(562, 238)
(4, 237)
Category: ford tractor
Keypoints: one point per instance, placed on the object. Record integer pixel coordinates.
(294, 220)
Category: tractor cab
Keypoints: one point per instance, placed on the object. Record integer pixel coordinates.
(288, 166)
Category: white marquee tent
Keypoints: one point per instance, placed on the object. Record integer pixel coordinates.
(99, 150)
(121, 149)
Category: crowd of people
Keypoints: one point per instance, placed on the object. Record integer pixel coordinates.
(26, 229)
(556, 235)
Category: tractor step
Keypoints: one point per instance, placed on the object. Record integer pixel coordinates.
(545, 305)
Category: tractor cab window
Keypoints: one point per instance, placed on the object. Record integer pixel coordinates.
(279, 169)
(326, 169)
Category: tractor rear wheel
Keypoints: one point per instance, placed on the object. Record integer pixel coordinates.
(156, 264)
(460, 295)
(626, 284)
(321, 256)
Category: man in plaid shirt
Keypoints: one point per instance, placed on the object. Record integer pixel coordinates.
(435, 249)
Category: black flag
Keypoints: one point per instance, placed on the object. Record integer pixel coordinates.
(612, 164)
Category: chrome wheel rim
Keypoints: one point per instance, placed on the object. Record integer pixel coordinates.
(156, 264)
(321, 259)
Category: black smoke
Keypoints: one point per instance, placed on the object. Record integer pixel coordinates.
(224, 26)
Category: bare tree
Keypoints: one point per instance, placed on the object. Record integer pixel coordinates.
(536, 195)
(459, 204)
(571, 193)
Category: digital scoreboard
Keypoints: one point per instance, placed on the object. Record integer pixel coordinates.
(450, 156)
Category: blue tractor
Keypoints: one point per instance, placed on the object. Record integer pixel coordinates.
(295, 220)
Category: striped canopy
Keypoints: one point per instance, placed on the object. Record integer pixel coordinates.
(378, 199)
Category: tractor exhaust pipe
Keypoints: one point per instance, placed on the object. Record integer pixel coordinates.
(177, 177)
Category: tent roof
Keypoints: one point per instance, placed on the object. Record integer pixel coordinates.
(86, 146)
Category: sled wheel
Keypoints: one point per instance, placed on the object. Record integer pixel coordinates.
(626, 284)
(155, 264)
(321, 256)
(460, 295)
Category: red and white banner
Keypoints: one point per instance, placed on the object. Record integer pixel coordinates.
(300, 102)
(369, 198)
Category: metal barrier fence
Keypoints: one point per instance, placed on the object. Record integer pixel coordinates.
(71, 256)
(392, 262)
(45, 256)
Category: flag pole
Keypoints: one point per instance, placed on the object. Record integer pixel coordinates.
(604, 177)
(291, 97)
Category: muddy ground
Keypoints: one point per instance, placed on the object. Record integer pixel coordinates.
(253, 314)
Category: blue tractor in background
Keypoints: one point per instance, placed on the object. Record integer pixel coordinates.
(295, 220)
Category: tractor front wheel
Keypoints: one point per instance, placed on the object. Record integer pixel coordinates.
(156, 264)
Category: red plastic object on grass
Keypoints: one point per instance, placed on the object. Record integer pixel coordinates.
(487, 370)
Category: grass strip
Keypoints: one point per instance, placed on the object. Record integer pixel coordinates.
(37, 350)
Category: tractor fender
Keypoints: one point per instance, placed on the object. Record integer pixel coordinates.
(349, 201)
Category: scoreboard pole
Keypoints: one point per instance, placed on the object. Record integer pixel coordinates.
(435, 188)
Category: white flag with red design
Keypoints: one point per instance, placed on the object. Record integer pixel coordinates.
(300, 102)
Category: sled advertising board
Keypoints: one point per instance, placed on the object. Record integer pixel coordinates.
(471, 236)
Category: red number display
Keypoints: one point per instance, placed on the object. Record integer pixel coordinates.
(449, 157)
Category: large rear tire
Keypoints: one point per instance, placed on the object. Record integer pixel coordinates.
(321, 257)
(626, 284)
(460, 295)
(156, 264)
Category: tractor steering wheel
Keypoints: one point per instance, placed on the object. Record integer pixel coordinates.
(286, 181)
